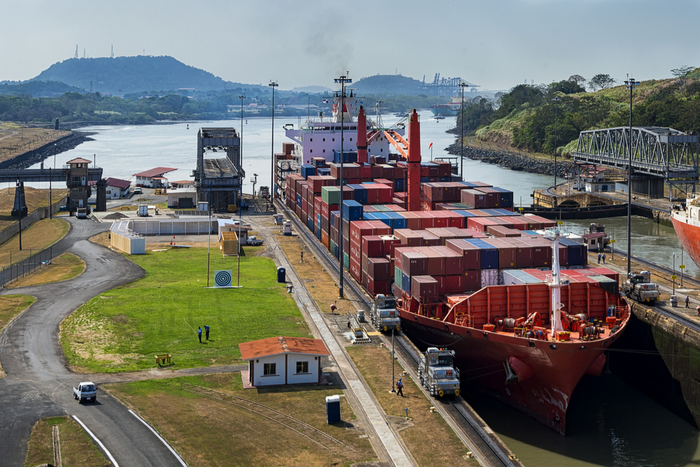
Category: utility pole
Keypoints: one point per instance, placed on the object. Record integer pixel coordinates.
(240, 201)
(273, 85)
(342, 80)
(556, 108)
(461, 138)
(630, 84)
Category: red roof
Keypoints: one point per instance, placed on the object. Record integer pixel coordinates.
(183, 182)
(157, 172)
(79, 160)
(115, 182)
(281, 345)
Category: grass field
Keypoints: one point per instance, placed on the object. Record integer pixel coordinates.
(77, 448)
(122, 329)
(430, 439)
(16, 140)
(211, 432)
(36, 237)
(67, 266)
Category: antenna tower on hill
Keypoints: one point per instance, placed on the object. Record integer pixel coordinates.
(76, 50)
(112, 54)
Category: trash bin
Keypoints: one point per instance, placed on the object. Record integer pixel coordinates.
(333, 409)
(281, 274)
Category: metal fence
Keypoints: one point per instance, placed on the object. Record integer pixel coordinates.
(29, 265)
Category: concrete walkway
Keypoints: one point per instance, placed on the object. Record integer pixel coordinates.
(384, 434)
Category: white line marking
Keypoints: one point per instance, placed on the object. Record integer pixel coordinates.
(160, 438)
(97, 441)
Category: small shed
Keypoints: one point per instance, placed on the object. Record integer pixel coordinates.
(283, 360)
(182, 184)
(229, 243)
(596, 241)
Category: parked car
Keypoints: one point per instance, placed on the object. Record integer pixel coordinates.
(138, 191)
(86, 391)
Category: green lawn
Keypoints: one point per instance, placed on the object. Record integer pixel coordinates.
(122, 330)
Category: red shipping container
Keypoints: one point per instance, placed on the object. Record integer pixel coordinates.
(460, 233)
(470, 253)
(493, 197)
(380, 228)
(479, 223)
(542, 222)
(386, 194)
(454, 262)
(502, 231)
(454, 284)
(365, 171)
(413, 220)
(428, 238)
(359, 229)
(524, 257)
(356, 270)
(414, 263)
(390, 242)
(427, 221)
(518, 223)
(436, 262)
(376, 287)
(472, 280)
(378, 268)
(386, 181)
(409, 237)
(373, 246)
(317, 205)
(506, 253)
(423, 287)
(441, 219)
(398, 255)
(474, 198)
(441, 284)
(355, 251)
(325, 240)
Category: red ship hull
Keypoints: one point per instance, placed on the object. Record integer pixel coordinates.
(689, 235)
(555, 367)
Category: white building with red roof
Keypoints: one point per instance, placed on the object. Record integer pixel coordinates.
(283, 360)
(153, 178)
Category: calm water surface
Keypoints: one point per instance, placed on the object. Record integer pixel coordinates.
(609, 423)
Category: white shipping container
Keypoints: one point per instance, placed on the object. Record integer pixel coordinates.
(489, 277)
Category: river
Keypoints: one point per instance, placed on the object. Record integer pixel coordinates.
(609, 422)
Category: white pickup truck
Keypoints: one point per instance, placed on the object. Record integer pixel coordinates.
(254, 241)
(86, 391)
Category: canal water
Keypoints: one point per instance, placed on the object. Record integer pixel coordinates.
(609, 422)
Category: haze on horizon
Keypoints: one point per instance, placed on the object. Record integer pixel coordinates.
(497, 44)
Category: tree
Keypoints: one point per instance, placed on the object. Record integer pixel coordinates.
(682, 72)
(578, 79)
(601, 81)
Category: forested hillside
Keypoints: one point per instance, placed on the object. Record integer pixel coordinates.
(524, 117)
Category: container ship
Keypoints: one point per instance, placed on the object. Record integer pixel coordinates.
(525, 315)
(446, 110)
(686, 222)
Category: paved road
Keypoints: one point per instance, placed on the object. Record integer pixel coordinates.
(38, 383)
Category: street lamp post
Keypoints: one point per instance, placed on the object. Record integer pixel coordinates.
(240, 200)
(342, 80)
(273, 85)
(50, 174)
(630, 84)
(556, 109)
(461, 133)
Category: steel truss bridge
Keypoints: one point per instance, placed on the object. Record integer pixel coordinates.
(657, 152)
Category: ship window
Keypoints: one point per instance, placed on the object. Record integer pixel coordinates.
(333, 139)
(350, 139)
(324, 139)
(324, 150)
(381, 150)
(310, 151)
(311, 139)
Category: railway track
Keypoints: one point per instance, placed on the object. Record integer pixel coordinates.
(461, 417)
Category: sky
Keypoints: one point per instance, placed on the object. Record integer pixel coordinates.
(496, 44)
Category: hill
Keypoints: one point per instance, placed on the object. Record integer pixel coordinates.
(36, 89)
(389, 84)
(524, 118)
(122, 75)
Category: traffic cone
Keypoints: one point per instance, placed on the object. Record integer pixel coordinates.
(172, 242)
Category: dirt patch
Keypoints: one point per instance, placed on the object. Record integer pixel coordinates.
(116, 215)
(77, 448)
(64, 267)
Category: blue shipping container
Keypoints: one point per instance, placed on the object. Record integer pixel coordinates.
(307, 170)
(489, 253)
(359, 193)
(299, 199)
(405, 282)
(323, 171)
(382, 216)
(352, 210)
(348, 157)
(399, 185)
(397, 220)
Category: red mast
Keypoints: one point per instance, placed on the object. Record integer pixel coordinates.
(414, 160)
(361, 136)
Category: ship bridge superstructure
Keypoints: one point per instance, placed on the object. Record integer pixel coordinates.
(659, 155)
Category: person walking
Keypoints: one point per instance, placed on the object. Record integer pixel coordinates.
(687, 301)
(206, 331)
(598, 257)
(603, 258)
(399, 388)
(199, 333)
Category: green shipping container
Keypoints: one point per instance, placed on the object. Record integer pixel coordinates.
(397, 276)
(330, 194)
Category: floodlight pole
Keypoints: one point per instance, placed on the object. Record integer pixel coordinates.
(273, 85)
(461, 139)
(342, 80)
(240, 201)
(630, 84)
(50, 175)
(209, 248)
(556, 108)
